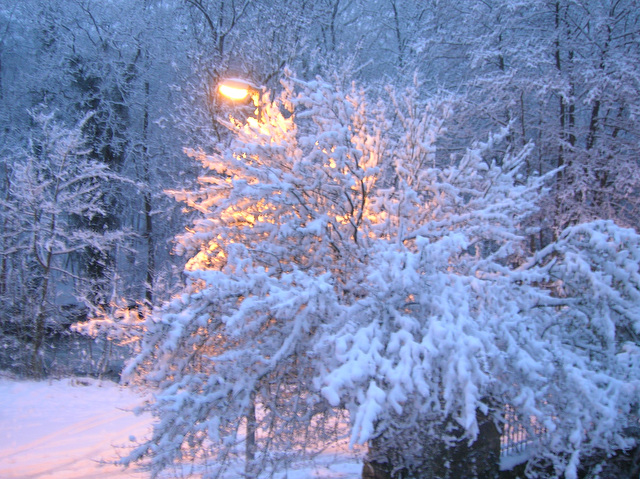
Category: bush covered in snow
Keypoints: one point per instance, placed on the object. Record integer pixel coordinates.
(340, 270)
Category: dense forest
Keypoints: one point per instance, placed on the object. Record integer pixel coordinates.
(430, 218)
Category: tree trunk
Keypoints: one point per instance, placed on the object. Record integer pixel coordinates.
(250, 446)
(435, 459)
(148, 232)
(37, 369)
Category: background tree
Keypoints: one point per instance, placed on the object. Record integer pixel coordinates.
(548, 68)
(51, 186)
(80, 60)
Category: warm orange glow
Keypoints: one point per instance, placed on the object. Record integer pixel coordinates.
(233, 92)
(244, 217)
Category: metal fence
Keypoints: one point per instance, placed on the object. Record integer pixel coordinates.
(518, 433)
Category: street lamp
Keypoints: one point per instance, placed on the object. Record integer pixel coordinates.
(240, 93)
(238, 90)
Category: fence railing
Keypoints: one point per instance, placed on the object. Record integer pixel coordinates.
(518, 433)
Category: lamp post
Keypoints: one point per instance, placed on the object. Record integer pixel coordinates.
(237, 91)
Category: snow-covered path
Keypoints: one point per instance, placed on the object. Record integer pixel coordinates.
(63, 428)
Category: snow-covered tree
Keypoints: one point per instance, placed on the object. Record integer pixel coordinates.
(116, 62)
(336, 268)
(52, 185)
(563, 72)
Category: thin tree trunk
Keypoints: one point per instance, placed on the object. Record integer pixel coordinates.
(148, 232)
(37, 369)
(250, 445)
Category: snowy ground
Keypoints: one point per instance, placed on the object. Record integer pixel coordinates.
(64, 428)
(68, 428)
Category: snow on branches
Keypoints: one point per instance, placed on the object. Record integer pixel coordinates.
(336, 267)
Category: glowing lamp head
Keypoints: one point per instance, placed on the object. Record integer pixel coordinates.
(235, 90)
(233, 93)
